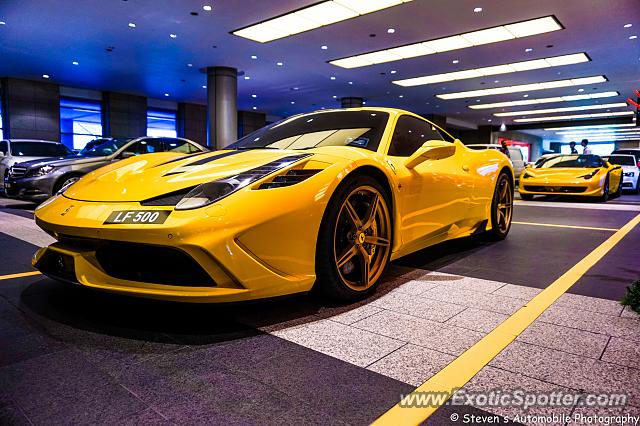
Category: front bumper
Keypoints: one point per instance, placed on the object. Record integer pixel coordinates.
(244, 253)
(37, 188)
(580, 187)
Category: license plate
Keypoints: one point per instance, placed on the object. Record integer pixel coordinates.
(142, 217)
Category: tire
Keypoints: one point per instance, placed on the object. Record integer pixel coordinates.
(637, 189)
(501, 208)
(605, 190)
(354, 243)
(65, 181)
(526, 197)
(618, 192)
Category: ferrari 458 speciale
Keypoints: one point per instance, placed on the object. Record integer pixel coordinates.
(326, 198)
(582, 175)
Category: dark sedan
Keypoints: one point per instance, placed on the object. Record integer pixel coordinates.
(40, 179)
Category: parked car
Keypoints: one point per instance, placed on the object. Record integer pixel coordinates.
(515, 155)
(18, 150)
(40, 179)
(629, 151)
(630, 170)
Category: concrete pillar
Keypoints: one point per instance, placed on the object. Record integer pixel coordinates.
(222, 106)
(351, 102)
(30, 109)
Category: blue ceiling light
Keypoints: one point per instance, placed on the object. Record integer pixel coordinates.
(132, 25)
(254, 57)
(207, 8)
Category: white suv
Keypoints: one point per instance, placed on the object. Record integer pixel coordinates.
(630, 170)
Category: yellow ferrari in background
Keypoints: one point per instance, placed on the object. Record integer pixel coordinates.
(326, 198)
(582, 175)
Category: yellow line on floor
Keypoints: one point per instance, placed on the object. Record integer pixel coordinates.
(554, 225)
(462, 369)
(20, 275)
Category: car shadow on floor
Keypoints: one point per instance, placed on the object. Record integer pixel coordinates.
(54, 305)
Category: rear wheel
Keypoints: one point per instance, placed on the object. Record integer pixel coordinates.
(354, 244)
(502, 207)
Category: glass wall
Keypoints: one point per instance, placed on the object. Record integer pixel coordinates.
(80, 122)
(1, 132)
(161, 123)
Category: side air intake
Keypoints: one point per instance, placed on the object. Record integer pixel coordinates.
(290, 178)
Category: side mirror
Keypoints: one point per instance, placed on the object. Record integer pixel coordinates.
(127, 154)
(430, 150)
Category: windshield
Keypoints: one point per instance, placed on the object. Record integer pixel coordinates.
(622, 160)
(103, 148)
(39, 149)
(577, 161)
(361, 129)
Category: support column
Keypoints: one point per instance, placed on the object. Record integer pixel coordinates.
(222, 106)
(351, 102)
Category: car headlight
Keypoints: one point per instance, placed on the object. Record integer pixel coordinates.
(629, 174)
(44, 170)
(590, 175)
(210, 192)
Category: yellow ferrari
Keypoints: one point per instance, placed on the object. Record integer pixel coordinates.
(326, 198)
(583, 175)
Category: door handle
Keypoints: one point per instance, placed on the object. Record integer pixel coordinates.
(465, 168)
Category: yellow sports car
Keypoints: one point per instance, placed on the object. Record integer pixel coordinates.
(326, 198)
(584, 175)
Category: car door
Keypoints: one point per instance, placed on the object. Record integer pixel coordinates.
(434, 195)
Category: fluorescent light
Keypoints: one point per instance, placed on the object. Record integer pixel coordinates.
(312, 17)
(534, 26)
(552, 110)
(524, 87)
(492, 70)
(569, 98)
(595, 126)
(573, 117)
(599, 131)
(461, 41)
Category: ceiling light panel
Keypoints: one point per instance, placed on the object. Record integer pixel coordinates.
(524, 87)
(492, 70)
(573, 117)
(603, 130)
(599, 126)
(312, 17)
(552, 110)
(462, 41)
(555, 99)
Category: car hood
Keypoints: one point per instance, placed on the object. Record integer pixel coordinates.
(151, 175)
(560, 173)
(62, 161)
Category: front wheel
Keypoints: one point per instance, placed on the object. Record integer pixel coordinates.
(502, 207)
(354, 244)
(605, 190)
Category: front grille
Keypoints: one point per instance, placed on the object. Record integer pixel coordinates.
(290, 178)
(57, 265)
(151, 264)
(17, 172)
(170, 199)
(556, 189)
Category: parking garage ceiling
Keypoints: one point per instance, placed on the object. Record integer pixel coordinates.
(160, 48)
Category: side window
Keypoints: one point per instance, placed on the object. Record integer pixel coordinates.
(177, 145)
(409, 135)
(145, 146)
(4, 147)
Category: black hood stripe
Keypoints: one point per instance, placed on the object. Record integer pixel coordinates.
(182, 158)
(212, 158)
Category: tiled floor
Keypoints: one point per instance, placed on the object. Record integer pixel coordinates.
(77, 357)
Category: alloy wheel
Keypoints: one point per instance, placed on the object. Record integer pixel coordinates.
(362, 238)
(504, 206)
